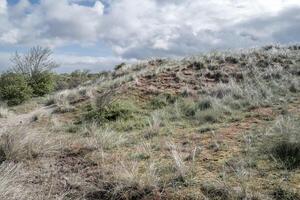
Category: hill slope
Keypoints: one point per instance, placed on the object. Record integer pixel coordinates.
(219, 126)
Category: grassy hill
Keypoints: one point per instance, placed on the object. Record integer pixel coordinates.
(223, 125)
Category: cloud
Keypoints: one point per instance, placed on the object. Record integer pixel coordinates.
(51, 23)
(4, 61)
(174, 28)
(135, 29)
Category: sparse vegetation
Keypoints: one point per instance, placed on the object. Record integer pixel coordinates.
(219, 126)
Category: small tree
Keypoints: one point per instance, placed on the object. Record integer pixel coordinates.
(36, 61)
(36, 66)
(14, 88)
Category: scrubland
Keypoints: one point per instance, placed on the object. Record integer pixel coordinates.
(222, 125)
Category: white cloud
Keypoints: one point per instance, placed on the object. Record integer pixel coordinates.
(3, 7)
(142, 29)
(51, 23)
(164, 27)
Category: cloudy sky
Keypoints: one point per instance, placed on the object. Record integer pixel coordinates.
(97, 34)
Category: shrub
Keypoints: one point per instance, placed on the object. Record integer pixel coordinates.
(14, 88)
(42, 83)
(115, 111)
(36, 65)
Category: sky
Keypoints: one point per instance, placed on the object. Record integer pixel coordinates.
(98, 34)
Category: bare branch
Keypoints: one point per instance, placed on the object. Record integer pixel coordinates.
(37, 60)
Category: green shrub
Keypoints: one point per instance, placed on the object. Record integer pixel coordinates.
(115, 111)
(41, 83)
(14, 88)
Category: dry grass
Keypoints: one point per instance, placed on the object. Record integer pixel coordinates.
(22, 143)
(11, 186)
(103, 138)
(4, 112)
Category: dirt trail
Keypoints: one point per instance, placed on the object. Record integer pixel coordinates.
(23, 119)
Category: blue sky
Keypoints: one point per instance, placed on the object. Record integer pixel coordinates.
(96, 35)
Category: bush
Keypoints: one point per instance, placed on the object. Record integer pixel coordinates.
(14, 88)
(112, 112)
(42, 83)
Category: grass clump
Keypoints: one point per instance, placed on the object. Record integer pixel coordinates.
(21, 144)
(154, 126)
(161, 101)
(288, 152)
(208, 116)
(204, 104)
(284, 142)
(103, 138)
(215, 191)
(202, 111)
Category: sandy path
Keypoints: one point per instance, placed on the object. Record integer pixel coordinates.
(23, 119)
